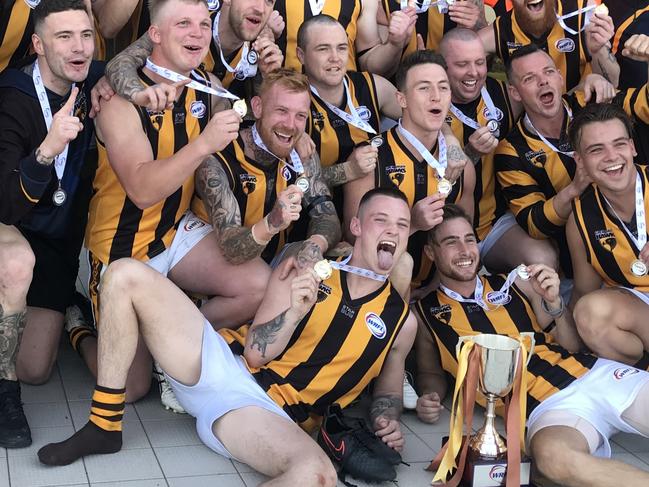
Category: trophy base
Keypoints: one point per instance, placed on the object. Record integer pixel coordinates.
(479, 472)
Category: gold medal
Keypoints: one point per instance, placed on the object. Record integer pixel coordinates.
(323, 269)
(521, 270)
(444, 186)
(240, 107)
(638, 268)
(601, 9)
(302, 183)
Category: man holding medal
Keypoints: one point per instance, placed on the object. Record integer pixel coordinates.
(260, 194)
(414, 155)
(145, 180)
(249, 387)
(607, 234)
(575, 401)
(44, 187)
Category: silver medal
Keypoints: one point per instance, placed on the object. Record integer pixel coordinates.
(376, 142)
(521, 270)
(493, 125)
(323, 269)
(444, 186)
(638, 268)
(252, 56)
(59, 197)
(240, 107)
(302, 183)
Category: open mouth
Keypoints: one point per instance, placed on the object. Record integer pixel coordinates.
(547, 98)
(254, 21)
(193, 48)
(614, 170)
(470, 83)
(535, 5)
(385, 251)
(282, 137)
(436, 111)
(78, 63)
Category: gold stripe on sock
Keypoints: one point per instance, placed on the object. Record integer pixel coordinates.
(105, 424)
(105, 412)
(108, 398)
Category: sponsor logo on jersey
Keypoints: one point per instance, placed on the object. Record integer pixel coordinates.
(498, 298)
(198, 109)
(565, 45)
(375, 325)
(622, 372)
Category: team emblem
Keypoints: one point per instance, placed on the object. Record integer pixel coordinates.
(442, 313)
(565, 45)
(248, 183)
(324, 292)
(396, 174)
(375, 325)
(318, 120)
(156, 119)
(606, 239)
(538, 158)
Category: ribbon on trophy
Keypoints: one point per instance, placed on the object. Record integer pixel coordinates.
(452, 458)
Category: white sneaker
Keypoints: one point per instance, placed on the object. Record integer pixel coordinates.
(167, 396)
(73, 318)
(409, 394)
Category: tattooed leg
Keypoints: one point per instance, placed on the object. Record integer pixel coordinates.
(11, 330)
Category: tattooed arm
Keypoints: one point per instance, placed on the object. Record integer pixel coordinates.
(122, 70)
(456, 159)
(323, 219)
(388, 390)
(236, 242)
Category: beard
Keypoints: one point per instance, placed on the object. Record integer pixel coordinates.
(536, 27)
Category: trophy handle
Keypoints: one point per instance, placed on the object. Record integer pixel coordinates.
(530, 335)
(460, 342)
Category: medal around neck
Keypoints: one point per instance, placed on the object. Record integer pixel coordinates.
(323, 269)
(376, 142)
(639, 268)
(240, 107)
(302, 183)
(493, 125)
(521, 270)
(444, 186)
(59, 197)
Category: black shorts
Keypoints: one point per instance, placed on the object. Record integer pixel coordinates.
(55, 271)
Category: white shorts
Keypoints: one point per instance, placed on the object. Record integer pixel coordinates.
(502, 225)
(644, 297)
(600, 397)
(191, 230)
(225, 384)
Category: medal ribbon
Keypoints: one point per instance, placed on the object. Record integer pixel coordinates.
(353, 117)
(439, 166)
(479, 291)
(546, 141)
(175, 77)
(244, 65)
(61, 159)
(466, 120)
(586, 10)
(421, 6)
(640, 220)
(296, 162)
(316, 6)
(359, 271)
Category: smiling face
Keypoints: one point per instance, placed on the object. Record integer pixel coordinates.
(181, 35)
(281, 116)
(455, 250)
(606, 152)
(426, 98)
(467, 68)
(535, 16)
(248, 17)
(381, 229)
(537, 83)
(325, 54)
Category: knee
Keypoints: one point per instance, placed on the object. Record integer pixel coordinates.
(123, 274)
(317, 471)
(593, 313)
(554, 461)
(17, 263)
(542, 252)
(34, 372)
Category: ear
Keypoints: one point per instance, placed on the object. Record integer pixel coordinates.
(255, 103)
(38, 45)
(300, 54)
(428, 250)
(513, 92)
(401, 100)
(635, 153)
(355, 227)
(154, 33)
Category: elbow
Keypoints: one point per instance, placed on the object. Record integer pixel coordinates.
(253, 358)
(142, 200)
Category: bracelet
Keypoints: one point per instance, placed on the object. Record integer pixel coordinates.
(42, 159)
(554, 313)
(258, 241)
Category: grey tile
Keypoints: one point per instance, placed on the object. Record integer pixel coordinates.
(186, 461)
(225, 480)
(417, 426)
(3, 454)
(40, 438)
(150, 409)
(79, 390)
(27, 471)
(177, 432)
(48, 415)
(415, 450)
(631, 442)
(133, 483)
(52, 391)
(124, 465)
(631, 460)
(432, 440)
(80, 411)
(134, 437)
(4, 474)
(414, 475)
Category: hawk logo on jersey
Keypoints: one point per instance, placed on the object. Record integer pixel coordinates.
(156, 119)
(606, 239)
(81, 106)
(248, 183)
(396, 174)
(565, 45)
(538, 158)
(513, 46)
(318, 120)
(449, 119)
(442, 313)
(324, 292)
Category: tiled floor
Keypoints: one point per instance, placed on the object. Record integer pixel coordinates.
(162, 448)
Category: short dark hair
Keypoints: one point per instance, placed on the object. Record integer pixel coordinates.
(321, 19)
(526, 50)
(392, 192)
(47, 7)
(597, 112)
(451, 212)
(417, 58)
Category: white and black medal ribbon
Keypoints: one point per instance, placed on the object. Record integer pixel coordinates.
(492, 118)
(498, 297)
(638, 267)
(444, 186)
(359, 271)
(295, 165)
(175, 77)
(247, 65)
(352, 118)
(421, 6)
(586, 10)
(59, 196)
(546, 141)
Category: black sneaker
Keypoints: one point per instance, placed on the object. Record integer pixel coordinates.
(374, 443)
(14, 430)
(348, 445)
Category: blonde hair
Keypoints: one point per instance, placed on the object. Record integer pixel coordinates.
(155, 6)
(287, 78)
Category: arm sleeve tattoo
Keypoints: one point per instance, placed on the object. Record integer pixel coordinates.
(121, 72)
(335, 175)
(235, 241)
(266, 333)
(323, 217)
(385, 406)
